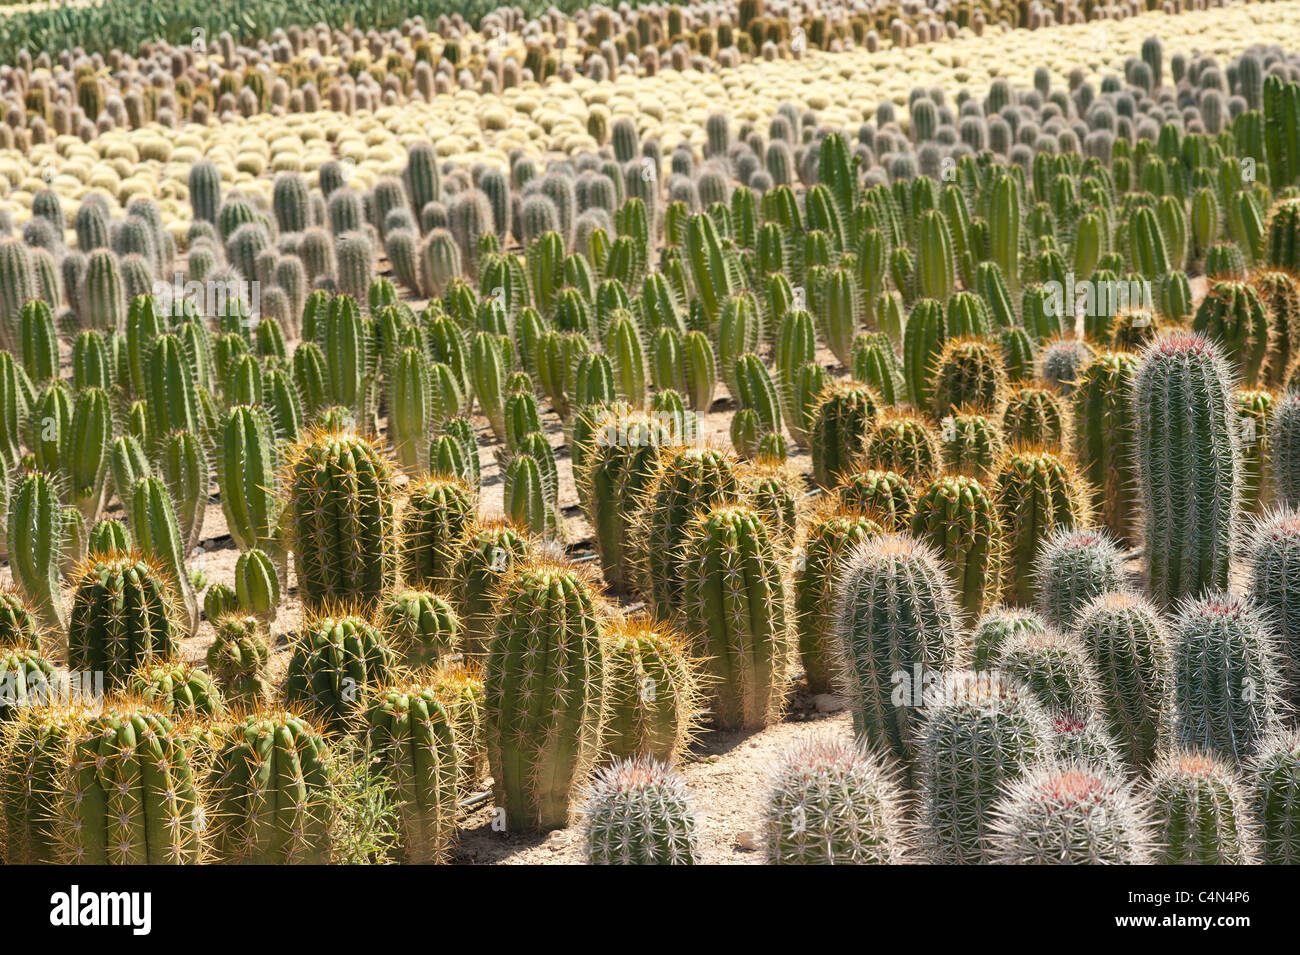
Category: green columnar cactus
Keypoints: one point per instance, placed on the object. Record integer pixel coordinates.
(460, 687)
(1233, 315)
(19, 627)
(434, 522)
(132, 794)
(1035, 493)
(896, 614)
(833, 803)
(983, 732)
(1075, 565)
(341, 512)
(733, 602)
(86, 451)
(454, 452)
(775, 490)
(1274, 781)
(421, 625)
(39, 342)
(176, 690)
(238, 658)
(247, 474)
(1282, 244)
(1104, 439)
(125, 614)
(1189, 465)
(410, 413)
(639, 812)
(885, 496)
(902, 443)
(956, 516)
(416, 743)
(219, 601)
(529, 496)
(490, 552)
(1274, 561)
(1280, 293)
(967, 373)
(35, 545)
(183, 466)
(1253, 409)
(35, 746)
(172, 399)
(1069, 815)
(997, 627)
(1081, 738)
(1283, 450)
(838, 425)
(652, 690)
(1200, 812)
(335, 660)
(923, 339)
(970, 444)
(1036, 416)
(152, 517)
(26, 679)
(1226, 677)
(257, 585)
(271, 782)
(16, 398)
(686, 480)
(545, 645)
(1054, 668)
(616, 472)
(1129, 647)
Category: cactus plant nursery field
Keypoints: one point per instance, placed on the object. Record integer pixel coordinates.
(722, 432)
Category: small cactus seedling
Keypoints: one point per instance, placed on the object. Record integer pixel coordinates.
(833, 803)
(652, 690)
(545, 646)
(639, 812)
(1129, 646)
(896, 615)
(1200, 812)
(1069, 815)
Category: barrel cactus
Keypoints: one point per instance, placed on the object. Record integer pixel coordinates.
(1075, 565)
(238, 658)
(652, 689)
(956, 516)
(1200, 812)
(177, 690)
(639, 812)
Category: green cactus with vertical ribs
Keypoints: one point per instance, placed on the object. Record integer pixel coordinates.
(896, 612)
(86, 451)
(125, 613)
(1200, 812)
(837, 428)
(19, 626)
(1105, 433)
(639, 812)
(686, 480)
(336, 659)
(1069, 815)
(257, 586)
(981, 733)
(970, 443)
(247, 475)
(183, 466)
(36, 545)
(341, 514)
(132, 794)
(616, 472)
(1075, 565)
(35, 748)
(733, 602)
(955, 515)
(416, 742)
(1280, 293)
(270, 792)
(238, 658)
(968, 373)
(177, 690)
(152, 516)
(1035, 493)
(1189, 465)
(1036, 415)
(652, 690)
(434, 521)
(1273, 559)
(545, 646)
(490, 552)
(1227, 679)
(1233, 315)
(26, 679)
(421, 625)
(994, 630)
(1052, 667)
(1273, 777)
(1253, 409)
(834, 803)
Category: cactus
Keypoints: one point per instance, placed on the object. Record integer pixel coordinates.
(86, 451)
(434, 521)
(335, 660)
(1054, 669)
(837, 429)
(1082, 738)
(176, 690)
(997, 627)
(1283, 464)
(902, 443)
(1129, 646)
(489, 553)
(1035, 492)
(183, 466)
(35, 542)
(415, 740)
(1075, 565)
(257, 586)
(27, 679)
(1226, 677)
(1188, 463)
(1282, 243)
(1069, 815)
(652, 690)
(639, 812)
(341, 514)
(132, 796)
(968, 373)
(545, 645)
(886, 496)
(733, 601)
(1200, 812)
(1104, 436)
(1274, 781)
(981, 734)
(896, 613)
(271, 783)
(19, 627)
(152, 517)
(970, 444)
(1036, 416)
(422, 625)
(1233, 315)
(833, 803)
(955, 516)
(219, 601)
(247, 474)
(238, 658)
